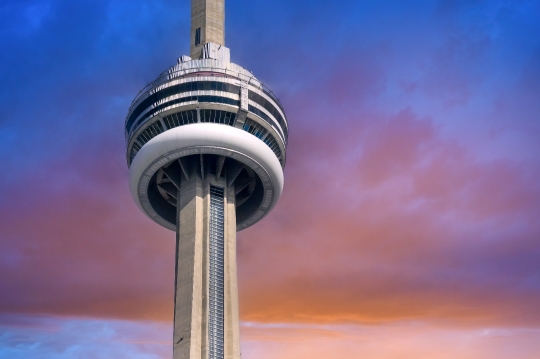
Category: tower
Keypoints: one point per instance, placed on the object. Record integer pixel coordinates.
(206, 147)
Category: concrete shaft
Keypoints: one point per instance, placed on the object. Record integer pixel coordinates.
(194, 308)
(207, 25)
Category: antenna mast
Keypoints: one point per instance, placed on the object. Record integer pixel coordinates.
(207, 25)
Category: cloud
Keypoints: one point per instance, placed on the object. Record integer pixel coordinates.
(79, 247)
(411, 183)
(412, 226)
(400, 340)
(49, 337)
(52, 337)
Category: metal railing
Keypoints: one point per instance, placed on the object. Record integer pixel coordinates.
(168, 76)
(216, 283)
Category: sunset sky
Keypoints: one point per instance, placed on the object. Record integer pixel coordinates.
(409, 226)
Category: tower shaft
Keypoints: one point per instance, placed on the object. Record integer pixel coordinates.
(207, 25)
(206, 324)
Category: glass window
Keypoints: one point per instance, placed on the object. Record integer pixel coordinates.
(198, 36)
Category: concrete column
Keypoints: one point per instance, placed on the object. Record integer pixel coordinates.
(232, 322)
(190, 299)
(209, 17)
(192, 271)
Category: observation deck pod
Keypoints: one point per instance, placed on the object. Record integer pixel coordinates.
(206, 117)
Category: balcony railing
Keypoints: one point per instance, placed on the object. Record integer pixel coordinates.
(170, 75)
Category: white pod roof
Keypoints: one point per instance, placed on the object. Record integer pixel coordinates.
(214, 139)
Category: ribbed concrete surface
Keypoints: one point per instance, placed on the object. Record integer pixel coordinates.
(209, 16)
(192, 271)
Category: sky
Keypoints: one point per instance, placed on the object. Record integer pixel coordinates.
(409, 222)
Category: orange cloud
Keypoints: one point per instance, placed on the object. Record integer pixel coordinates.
(396, 341)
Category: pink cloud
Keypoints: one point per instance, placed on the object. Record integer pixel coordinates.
(387, 221)
(411, 227)
(400, 340)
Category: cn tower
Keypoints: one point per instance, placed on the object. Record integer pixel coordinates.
(206, 147)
